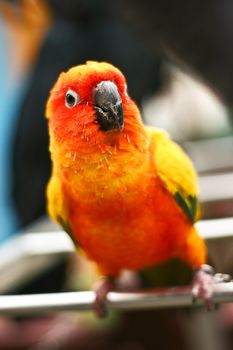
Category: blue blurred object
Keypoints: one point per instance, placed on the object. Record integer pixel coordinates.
(11, 96)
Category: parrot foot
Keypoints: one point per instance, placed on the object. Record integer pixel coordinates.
(127, 281)
(222, 278)
(202, 285)
(101, 289)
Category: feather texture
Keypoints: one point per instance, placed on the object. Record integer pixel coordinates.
(128, 197)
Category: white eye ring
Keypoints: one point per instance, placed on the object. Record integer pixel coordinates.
(72, 99)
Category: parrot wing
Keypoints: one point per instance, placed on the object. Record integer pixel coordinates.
(176, 172)
(55, 202)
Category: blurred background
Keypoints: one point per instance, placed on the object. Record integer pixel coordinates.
(177, 57)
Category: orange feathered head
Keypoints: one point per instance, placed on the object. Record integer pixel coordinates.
(89, 106)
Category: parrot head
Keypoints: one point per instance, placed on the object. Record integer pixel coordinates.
(89, 108)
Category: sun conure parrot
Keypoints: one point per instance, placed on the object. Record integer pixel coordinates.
(125, 193)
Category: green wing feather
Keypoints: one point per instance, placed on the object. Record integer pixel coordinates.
(189, 205)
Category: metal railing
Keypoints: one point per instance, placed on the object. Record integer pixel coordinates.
(83, 301)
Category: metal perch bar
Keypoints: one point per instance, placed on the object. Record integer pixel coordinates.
(15, 305)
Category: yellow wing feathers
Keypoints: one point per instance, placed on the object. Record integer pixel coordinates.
(55, 206)
(176, 171)
(55, 201)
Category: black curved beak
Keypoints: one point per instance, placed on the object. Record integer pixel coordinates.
(108, 106)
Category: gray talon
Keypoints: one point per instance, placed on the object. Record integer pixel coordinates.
(222, 277)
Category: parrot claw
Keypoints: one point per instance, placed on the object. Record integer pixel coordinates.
(222, 278)
(202, 286)
(101, 290)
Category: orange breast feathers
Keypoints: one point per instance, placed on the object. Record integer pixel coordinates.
(109, 188)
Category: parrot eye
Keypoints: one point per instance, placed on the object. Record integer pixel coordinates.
(72, 98)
